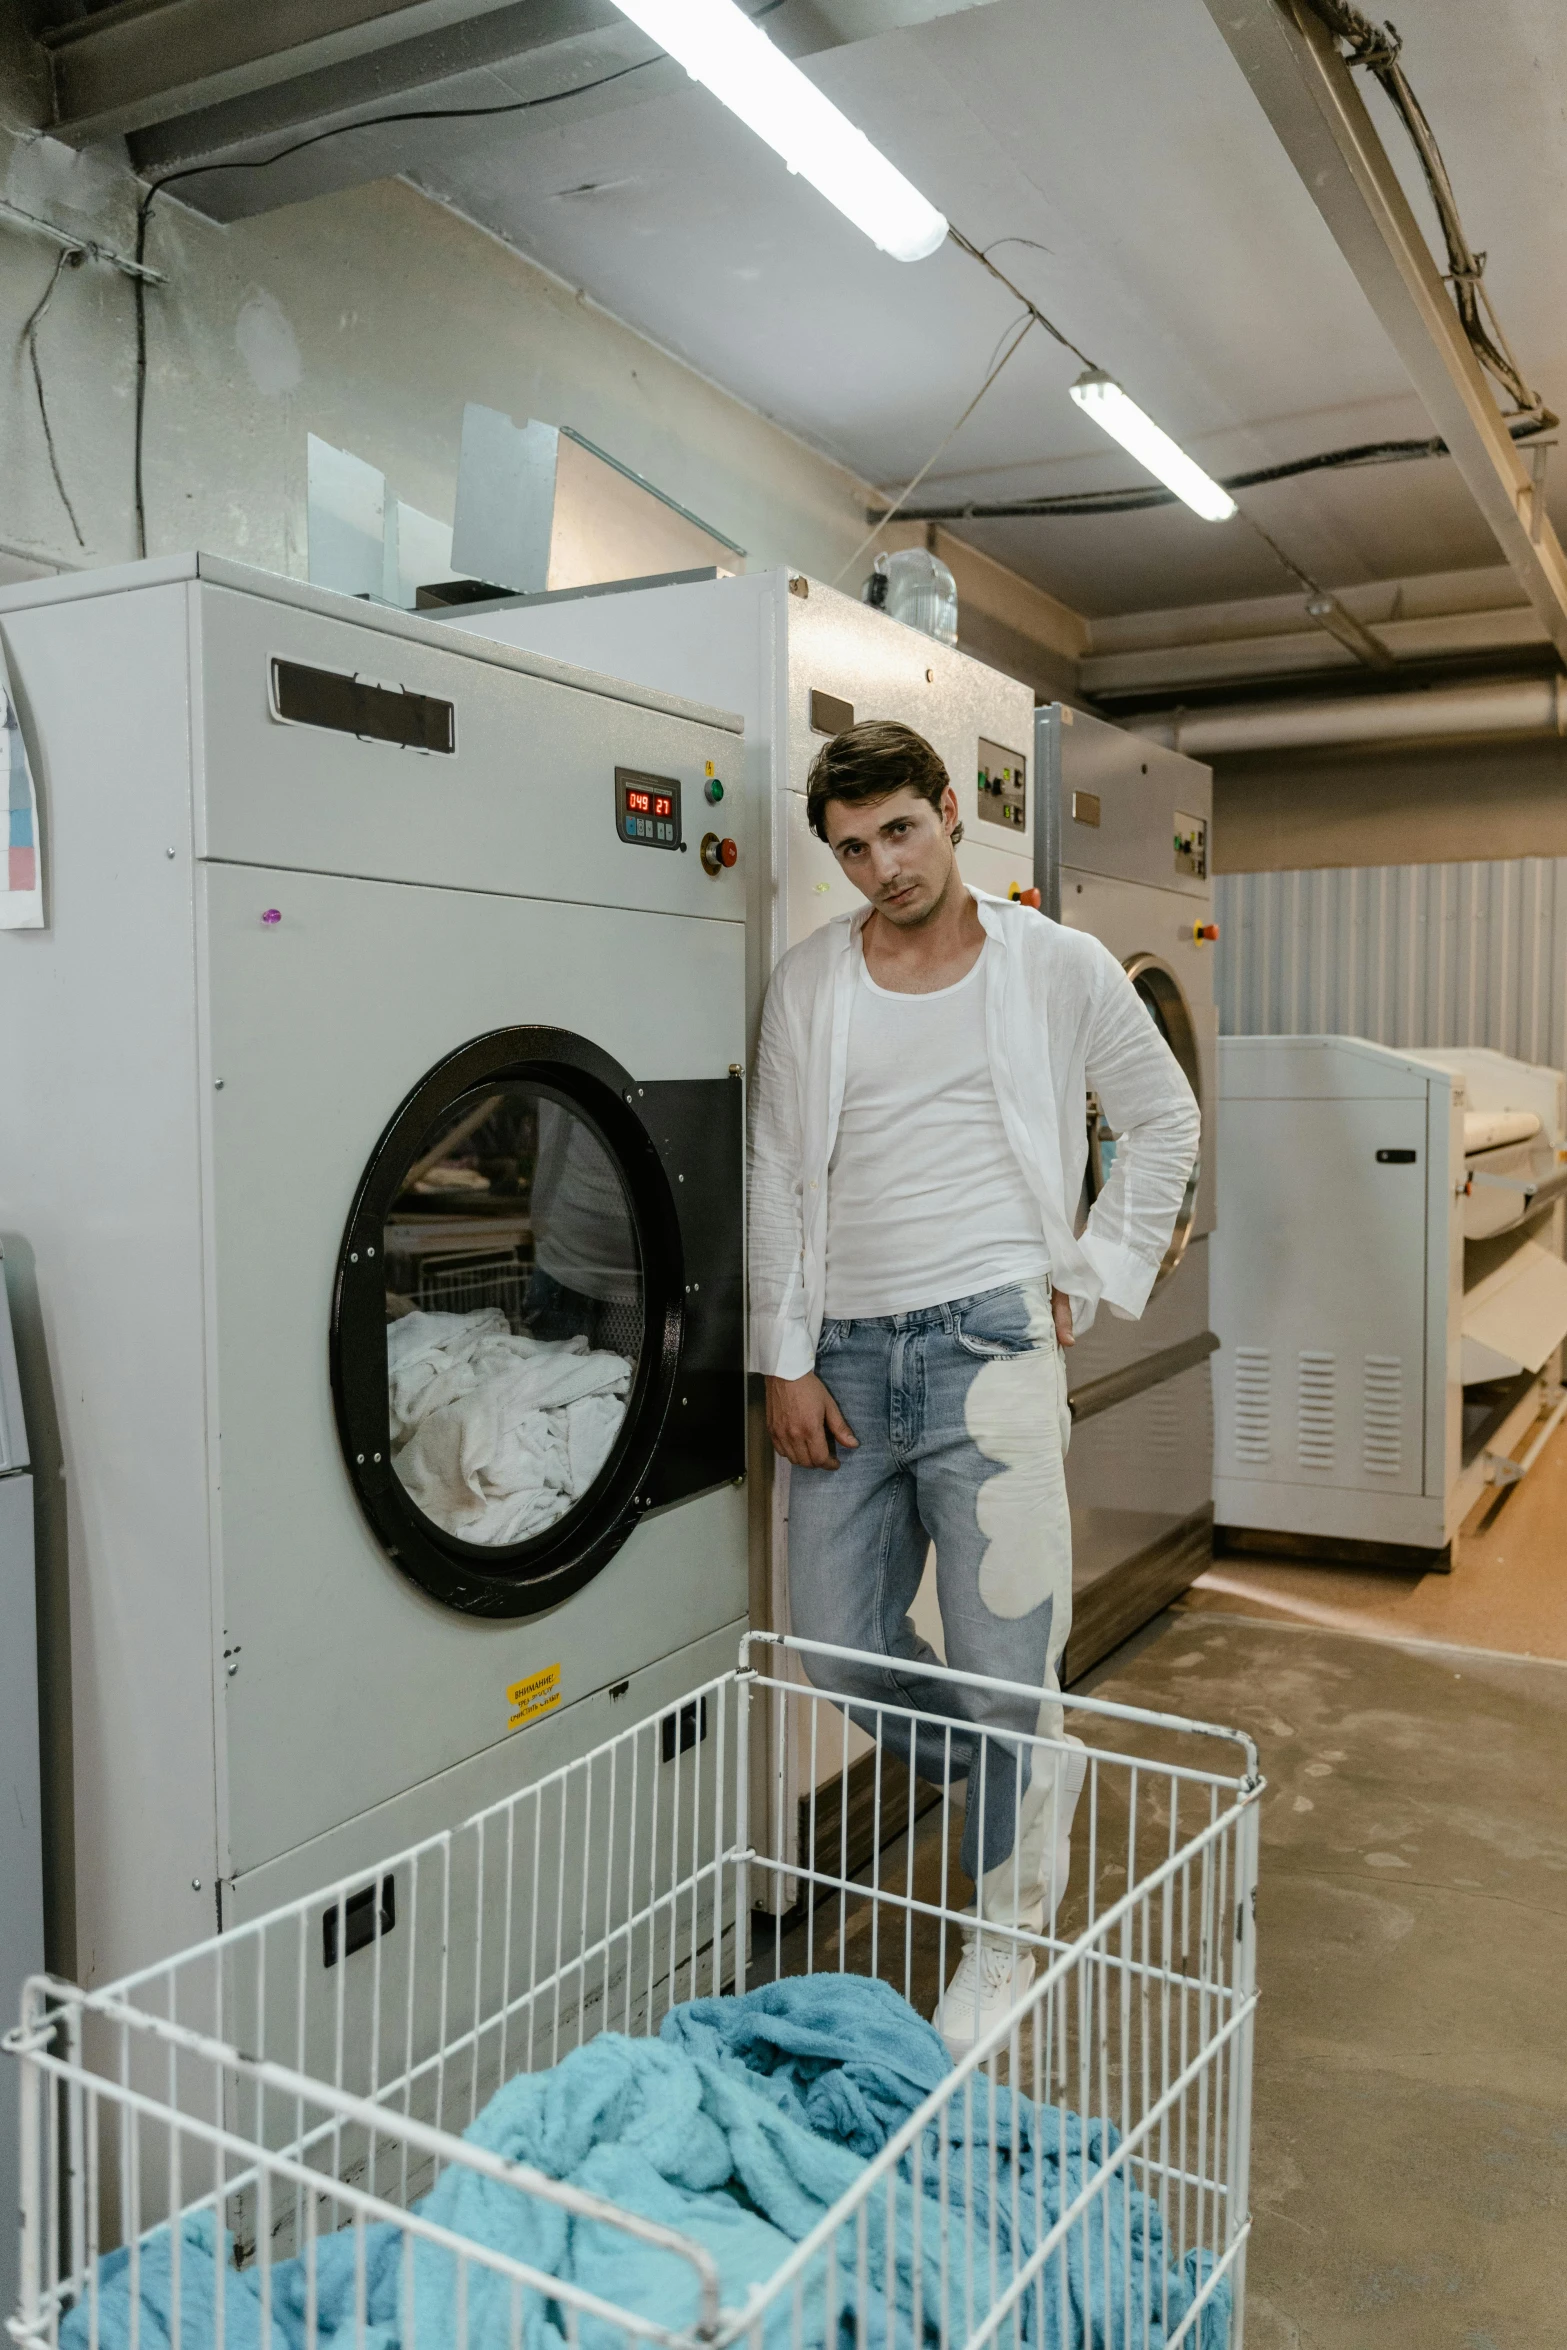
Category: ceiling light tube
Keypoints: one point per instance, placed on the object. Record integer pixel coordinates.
(722, 49)
(1101, 397)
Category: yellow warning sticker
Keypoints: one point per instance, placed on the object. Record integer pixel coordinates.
(709, 766)
(539, 1694)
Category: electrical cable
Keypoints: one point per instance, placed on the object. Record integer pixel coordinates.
(1078, 504)
(317, 138)
(297, 147)
(1025, 328)
(65, 260)
(982, 256)
(1114, 502)
(1378, 49)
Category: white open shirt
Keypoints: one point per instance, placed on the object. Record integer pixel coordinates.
(1061, 1017)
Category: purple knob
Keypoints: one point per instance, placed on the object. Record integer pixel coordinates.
(271, 915)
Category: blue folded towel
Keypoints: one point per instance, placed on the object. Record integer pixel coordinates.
(740, 2126)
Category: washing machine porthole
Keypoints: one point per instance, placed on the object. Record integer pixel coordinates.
(507, 1323)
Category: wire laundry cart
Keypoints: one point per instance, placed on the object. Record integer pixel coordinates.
(234, 2148)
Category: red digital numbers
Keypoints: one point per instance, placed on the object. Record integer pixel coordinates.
(663, 806)
(640, 803)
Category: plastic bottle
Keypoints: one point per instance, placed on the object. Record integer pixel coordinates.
(916, 587)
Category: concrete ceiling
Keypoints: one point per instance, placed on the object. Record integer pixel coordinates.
(1167, 233)
(1112, 154)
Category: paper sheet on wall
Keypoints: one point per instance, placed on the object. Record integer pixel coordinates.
(22, 877)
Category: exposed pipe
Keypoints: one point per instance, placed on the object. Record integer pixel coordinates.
(1531, 705)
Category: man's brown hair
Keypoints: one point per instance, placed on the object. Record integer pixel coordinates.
(869, 762)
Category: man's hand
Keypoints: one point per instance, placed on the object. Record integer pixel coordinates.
(1061, 1310)
(801, 1417)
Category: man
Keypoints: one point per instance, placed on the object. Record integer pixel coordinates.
(918, 1146)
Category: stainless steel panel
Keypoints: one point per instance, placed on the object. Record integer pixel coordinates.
(106, 995)
(1133, 920)
(525, 804)
(1124, 855)
(1139, 1473)
(471, 1786)
(1320, 1294)
(320, 1024)
(1129, 794)
(848, 648)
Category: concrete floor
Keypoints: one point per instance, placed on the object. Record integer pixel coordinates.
(1410, 2112)
(1409, 2184)
(1507, 1591)
(1410, 2115)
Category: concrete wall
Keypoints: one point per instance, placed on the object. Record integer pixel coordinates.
(368, 318)
(1425, 804)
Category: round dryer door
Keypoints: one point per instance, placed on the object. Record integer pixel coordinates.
(507, 1323)
(1162, 998)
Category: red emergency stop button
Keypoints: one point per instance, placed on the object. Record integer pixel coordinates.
(1024, 897)
(718, 854)
(1208, 930)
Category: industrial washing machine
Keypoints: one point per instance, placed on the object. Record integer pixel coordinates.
(801, 662)
(1124, 855)
(374, 1098)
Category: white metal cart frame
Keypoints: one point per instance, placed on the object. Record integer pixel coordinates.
(311, 2072)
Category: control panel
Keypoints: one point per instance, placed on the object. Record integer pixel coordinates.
(647, 808)
(1191, 845)
(1003, 786)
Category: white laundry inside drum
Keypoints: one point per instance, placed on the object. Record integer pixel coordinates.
(514, 1316)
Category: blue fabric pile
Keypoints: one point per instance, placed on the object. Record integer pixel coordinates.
(740, 2126)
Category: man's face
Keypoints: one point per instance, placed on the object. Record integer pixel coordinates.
(897, 851)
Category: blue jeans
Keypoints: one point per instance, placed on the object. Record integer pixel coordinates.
(961, 1416)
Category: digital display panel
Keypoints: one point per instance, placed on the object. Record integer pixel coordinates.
(647, 809)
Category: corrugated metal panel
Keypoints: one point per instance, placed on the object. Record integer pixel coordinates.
(1402, 954)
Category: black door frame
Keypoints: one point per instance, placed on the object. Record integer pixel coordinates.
(526, 1577)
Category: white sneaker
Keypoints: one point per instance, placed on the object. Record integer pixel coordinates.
(992, 1978)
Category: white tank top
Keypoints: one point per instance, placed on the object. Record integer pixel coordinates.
(925, 1199)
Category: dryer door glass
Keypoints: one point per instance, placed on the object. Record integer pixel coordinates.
(514, 1313)
(1161, 996)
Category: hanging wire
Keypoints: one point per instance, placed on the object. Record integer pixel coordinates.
(192, 171)
(1378, 49)
(1025, 328)
(66, 259)
(982, 256)
(143, 275)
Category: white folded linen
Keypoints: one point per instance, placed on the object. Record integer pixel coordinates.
(495, 1435)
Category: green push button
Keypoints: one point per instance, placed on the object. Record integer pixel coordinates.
(714, 790)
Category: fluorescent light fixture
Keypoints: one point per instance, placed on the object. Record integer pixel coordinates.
(1102, 398)
(722, 49)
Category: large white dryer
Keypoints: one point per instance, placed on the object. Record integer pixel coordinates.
(1126, 856)
(800, 662)
(374, 1129)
